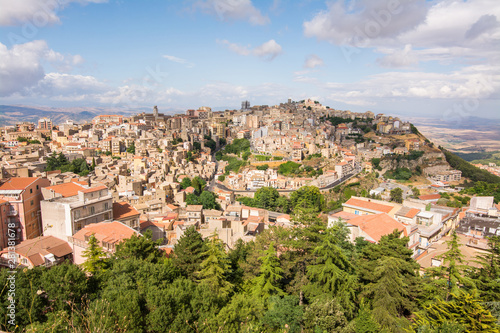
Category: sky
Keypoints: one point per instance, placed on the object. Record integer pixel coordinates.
(404, 57)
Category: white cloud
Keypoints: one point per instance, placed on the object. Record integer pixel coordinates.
(239, 49)
(179, 61)
(313, 61)
(22, 66)
(37, 12)
(268, 50)
(228, 10)
(399, 58)
(362, 23)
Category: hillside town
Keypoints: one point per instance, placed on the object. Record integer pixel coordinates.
(119, 176)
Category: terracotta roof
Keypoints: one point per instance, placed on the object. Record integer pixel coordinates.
(430, 196)
(18, 183)
(369, 205)
(344, 215)
(111, 232)
(94, 189)
(66, 189)
(35, 249)
(122, 210)
(408, 212)
(377, 225)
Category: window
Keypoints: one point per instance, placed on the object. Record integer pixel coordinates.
(37, 187)
(105, 205)
(31, 190)
(32, 202)
(92, 210)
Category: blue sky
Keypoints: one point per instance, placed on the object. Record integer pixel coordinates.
(405, 57)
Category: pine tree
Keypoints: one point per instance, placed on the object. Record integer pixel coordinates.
(189, 252)
(450, 275)
(389, 293)
(465, 309)
(96, 259)
(487, 276)
(215, 268)
(330, 273)
(267, 283)
(364, 322)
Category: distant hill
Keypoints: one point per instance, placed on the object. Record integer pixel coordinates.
(10, 115)
(468, 170)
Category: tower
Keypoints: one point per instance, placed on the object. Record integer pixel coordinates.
(155, 112)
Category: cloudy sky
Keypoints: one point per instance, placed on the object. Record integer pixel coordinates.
(406, 57)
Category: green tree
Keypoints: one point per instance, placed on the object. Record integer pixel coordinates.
(266, 197)
(189, 252)
(397, 195)
(95, 258)
(389, 294)
(207, 199)
(364, 322)
(307, 197)
(215, 267)
(267, 283)
(131, 148)
(450, 276)
(283, 314)
(487, 276)
(65, 286)
(198, 184)
(325, 314)
(331, 273)
(141, 247)
(186, 182)
(465, 309)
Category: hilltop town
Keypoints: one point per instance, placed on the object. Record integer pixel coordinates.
(234, 172)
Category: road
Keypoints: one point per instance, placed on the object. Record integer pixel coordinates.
(332, 185)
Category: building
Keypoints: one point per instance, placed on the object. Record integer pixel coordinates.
(65, 215)
(365, 206)
(45, 124)
(123, 212)
(373, 227)
(108, 235)
(41, 251)
(23, 195)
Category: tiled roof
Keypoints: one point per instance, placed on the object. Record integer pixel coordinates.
(377, 225)
(18, 183)
(430, 196)
(94, 189)
(111, 232)
(408, 212)
(66, 189)
(369, 205)
(122, 210)
(35, 249)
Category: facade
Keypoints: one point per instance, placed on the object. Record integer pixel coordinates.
(64, 216)
(23, 195)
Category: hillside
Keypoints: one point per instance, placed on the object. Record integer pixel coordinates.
(10, 115)
(468, 170)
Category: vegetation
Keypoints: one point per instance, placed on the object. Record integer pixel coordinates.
(468, 170)
(307, 279)
(288, 168)
(484, 189)
(399, 174)
(131, 148)
(60, 162)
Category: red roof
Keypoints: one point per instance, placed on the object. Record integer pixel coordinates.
(430, 196)
(377, 225)
(123, 210)
(369, 205)
(18, 183)
(94, 189)
(111, 232)
(412, 212)
(66, 189)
